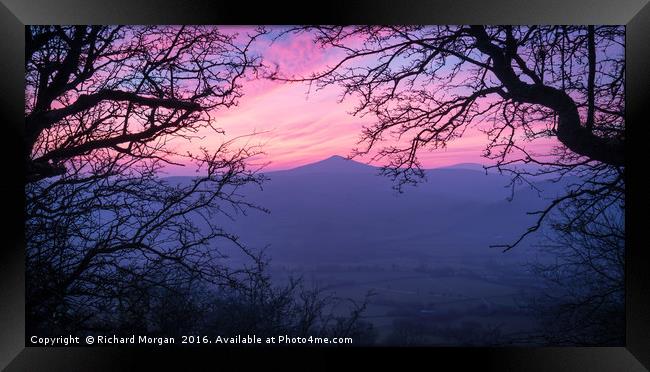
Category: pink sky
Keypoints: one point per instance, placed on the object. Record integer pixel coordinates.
(298, 127)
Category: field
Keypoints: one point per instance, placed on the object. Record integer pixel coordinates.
(428, 302)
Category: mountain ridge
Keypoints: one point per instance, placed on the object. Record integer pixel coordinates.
(338, 163)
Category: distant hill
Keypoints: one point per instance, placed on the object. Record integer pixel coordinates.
(333, 164)
(468, 166)
(341, 211)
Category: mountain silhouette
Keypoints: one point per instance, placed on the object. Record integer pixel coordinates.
(343, 228)
(339, 211)
(333, 164)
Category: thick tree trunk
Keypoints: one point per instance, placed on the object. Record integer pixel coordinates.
(570, 131)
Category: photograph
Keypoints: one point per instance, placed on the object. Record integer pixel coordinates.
(364, 185)
(203, 184)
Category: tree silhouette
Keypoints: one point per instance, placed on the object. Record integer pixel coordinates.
(427, 85)
(583, 300)
(112, 246)
(104, 105)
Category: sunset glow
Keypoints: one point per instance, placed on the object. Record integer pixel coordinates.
(297, 124)
(188, 184)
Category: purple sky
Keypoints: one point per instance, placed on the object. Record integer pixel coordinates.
(297, 126)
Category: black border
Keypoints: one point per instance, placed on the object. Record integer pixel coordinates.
(14, 14)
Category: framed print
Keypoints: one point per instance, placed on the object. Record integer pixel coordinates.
(441, 180)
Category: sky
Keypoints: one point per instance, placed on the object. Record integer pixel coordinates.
(297, 125)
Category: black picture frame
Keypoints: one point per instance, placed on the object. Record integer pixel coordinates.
(15, 14)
